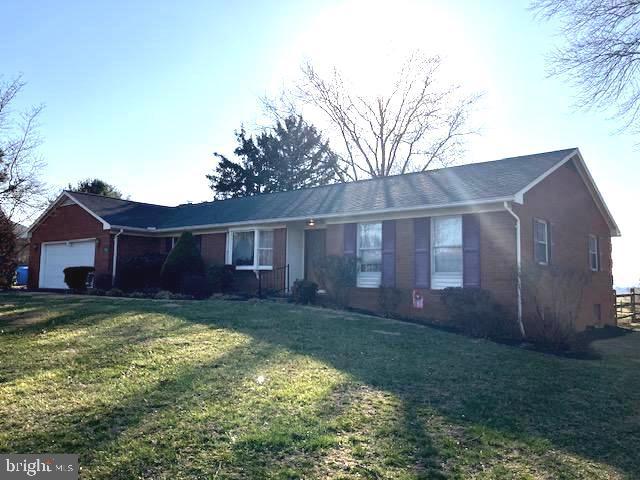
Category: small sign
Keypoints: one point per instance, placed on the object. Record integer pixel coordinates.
(418, 300)
(46, 466)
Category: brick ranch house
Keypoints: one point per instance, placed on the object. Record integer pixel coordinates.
(478, 225)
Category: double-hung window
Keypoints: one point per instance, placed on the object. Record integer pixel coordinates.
(250, 249)
(541, 241)
(446, 252)
(594, 253)
(369, 255)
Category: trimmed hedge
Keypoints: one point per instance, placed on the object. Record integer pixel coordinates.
(76, 277)
(184, 260)
(304, 291)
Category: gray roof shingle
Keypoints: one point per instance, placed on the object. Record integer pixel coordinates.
(464, 183)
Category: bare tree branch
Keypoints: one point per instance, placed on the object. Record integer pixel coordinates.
(21, 191)
(601, 54)
(405, 129)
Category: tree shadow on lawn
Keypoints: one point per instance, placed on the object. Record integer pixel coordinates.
(588, 408)
(515, 397)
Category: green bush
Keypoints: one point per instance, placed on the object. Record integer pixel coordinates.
(337, 275)
(389, 299)
(183, 260)
(475, 312)
(196, 286)
(141, 272)
(76, 278)
(304, 291)
(114, 292)
(162, 295)
(220, 278)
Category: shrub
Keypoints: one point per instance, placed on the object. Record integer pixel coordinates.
(163, 295)
(338, 275)
(474, 312)
(76, 277)
(304, 291)
(138, 295)
(220, 278)
(196, 286)
(115, 292)
(389, 299)
(183, 260)
(98, 292)
(8, 260)
(141, 272)
(102, 281)
(554, 296)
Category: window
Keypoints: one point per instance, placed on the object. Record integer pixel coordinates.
(541, 241)
(446, 252)
(243, 248)
(251, 249)
(369, 255)
(594, 253)
(265, 248)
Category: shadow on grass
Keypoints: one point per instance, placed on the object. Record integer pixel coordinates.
(588, 408)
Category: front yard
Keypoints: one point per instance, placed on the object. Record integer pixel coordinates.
(176, 390)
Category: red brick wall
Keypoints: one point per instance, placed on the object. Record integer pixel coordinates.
(497, 266)
(213, 248)
(70, 222)
(563, 200)
(130, 246)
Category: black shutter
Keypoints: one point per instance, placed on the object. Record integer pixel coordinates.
(350, 232)
(389, 253)
(470, 251)
(422, 257)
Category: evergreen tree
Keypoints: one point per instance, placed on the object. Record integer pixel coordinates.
(291, 156)
(183, 260)
(97, 187)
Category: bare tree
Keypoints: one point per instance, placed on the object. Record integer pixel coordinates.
(415, 125)
(602, 52)
(21, 191)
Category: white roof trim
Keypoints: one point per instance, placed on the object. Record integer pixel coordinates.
(105, 224)
(256, 222)
(584, 173)
(54, 204)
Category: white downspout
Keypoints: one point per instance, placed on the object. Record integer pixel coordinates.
(115, 256)
(519, 266)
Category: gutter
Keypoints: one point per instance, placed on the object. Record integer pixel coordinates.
(508, 208)
(115, 255)
(327, 216)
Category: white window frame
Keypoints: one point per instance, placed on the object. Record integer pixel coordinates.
(594, 254)
(256, 248)
(540, 221)
(363, 279)
(442, 280)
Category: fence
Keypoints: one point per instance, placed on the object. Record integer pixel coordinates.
(628, 306)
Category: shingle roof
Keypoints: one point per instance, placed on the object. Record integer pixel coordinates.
(474, 182)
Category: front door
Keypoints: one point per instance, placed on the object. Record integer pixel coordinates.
(315, 250)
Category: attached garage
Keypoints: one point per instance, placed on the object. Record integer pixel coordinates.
(56, 256)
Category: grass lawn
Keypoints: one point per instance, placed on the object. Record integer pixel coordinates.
(174, 390)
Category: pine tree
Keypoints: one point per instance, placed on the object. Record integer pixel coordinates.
(291, 156)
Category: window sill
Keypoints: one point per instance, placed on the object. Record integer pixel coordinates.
(252, 267)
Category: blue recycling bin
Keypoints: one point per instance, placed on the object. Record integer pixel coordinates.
(22, 275)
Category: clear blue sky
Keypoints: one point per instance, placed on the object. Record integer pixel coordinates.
(140, 93)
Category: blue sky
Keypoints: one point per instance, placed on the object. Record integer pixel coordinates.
(141, 93)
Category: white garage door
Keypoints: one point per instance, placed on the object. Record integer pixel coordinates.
(55, 257)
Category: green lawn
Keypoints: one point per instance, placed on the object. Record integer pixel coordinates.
(214, 389)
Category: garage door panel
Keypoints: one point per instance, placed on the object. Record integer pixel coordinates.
(58, 256)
